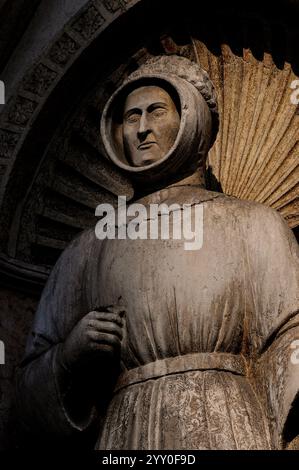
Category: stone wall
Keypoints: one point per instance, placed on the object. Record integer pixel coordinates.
(16, 317)
(59, 34)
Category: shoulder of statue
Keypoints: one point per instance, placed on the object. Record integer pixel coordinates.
(260, 220)
(82, 248)
(251, 209)
(85, 238)
(264, 228)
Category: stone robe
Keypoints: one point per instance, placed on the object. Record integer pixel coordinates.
(206, 354)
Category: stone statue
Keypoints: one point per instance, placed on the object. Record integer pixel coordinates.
(152, 345)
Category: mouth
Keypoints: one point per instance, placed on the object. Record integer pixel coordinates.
(146, 145)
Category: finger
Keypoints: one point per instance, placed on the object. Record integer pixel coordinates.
(118, 309)
(106, 327)
(105, 316)
(107, 349)
(105, 338)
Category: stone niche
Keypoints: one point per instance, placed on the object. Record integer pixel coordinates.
(53, 171)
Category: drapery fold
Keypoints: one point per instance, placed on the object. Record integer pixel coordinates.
(238, 294)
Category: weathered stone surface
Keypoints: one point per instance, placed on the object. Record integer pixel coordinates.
(63, 49)
(17, 312)
(254, 101)
(175, 350)
(114, 5)
(88, 22)
(8, 141)
(39, 80)
(22, 111)
(217, 64)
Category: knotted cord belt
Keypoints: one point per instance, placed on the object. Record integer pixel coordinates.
(179, 364)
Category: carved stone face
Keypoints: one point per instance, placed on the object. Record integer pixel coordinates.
(150, 125)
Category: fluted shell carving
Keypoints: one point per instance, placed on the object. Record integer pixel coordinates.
(256, 153)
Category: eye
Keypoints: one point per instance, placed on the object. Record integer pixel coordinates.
(132, 118)
(158, 112)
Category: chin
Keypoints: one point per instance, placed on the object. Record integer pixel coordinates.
(147, 162)
(148, 159)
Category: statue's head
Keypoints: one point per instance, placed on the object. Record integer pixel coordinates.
(151, 122)
(160, 124)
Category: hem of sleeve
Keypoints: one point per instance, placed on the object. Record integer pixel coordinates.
(83, 424)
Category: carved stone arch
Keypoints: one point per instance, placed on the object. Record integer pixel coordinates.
(49, 139)
(52, 168)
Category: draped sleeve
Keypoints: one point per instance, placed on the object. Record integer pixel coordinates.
(44, 385)
(273, 325)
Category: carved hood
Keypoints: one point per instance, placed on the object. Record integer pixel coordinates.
(195, 95)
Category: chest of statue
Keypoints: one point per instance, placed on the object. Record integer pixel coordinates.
(178, 301)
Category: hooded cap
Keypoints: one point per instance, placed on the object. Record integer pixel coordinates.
(193, 92)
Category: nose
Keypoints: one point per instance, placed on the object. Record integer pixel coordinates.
(144, 128)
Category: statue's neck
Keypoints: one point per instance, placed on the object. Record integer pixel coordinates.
(197, 179)
(176, 188)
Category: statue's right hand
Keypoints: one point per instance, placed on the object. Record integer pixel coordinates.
(96, 334)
